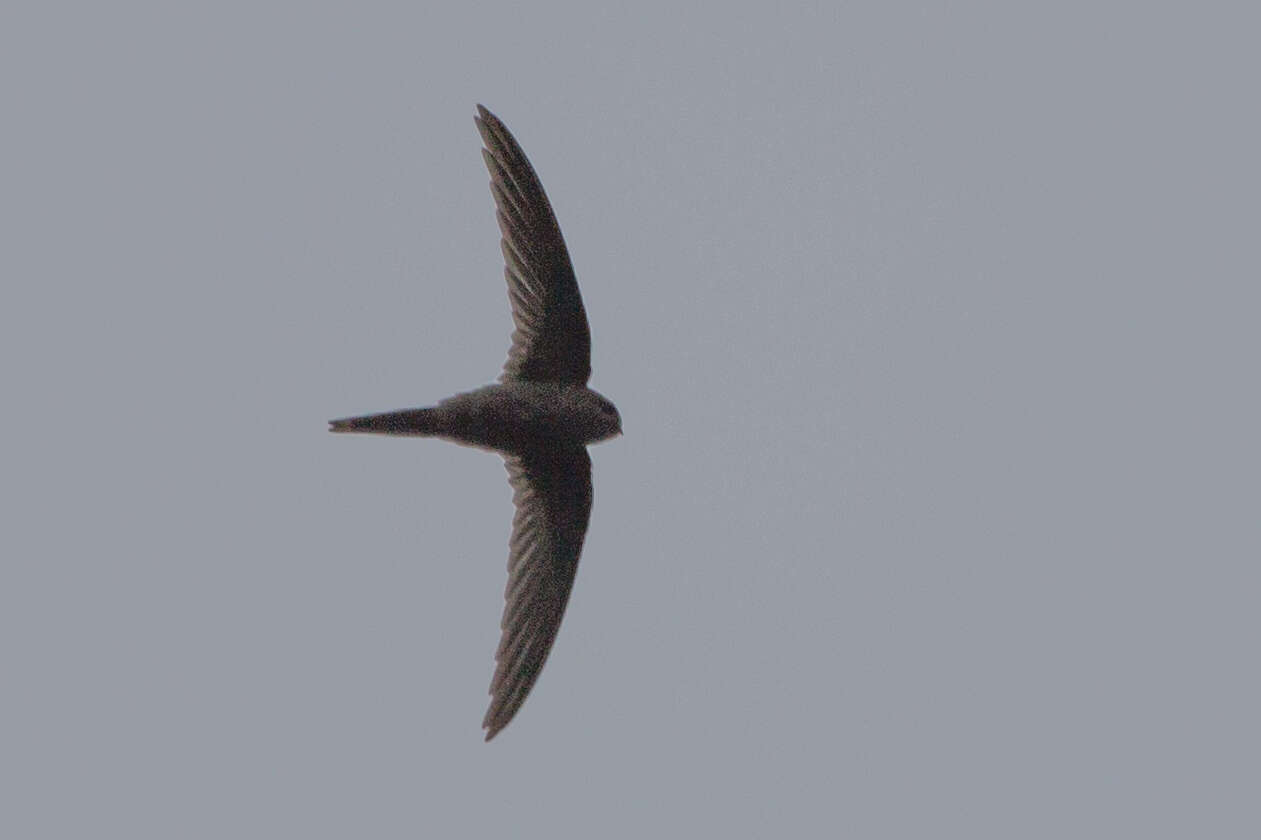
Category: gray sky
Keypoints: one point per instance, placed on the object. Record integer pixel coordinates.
(935, 338)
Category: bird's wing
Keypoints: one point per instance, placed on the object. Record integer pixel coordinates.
(552, 342)
(552, 494)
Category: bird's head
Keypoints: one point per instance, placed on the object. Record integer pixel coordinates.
(603, 420)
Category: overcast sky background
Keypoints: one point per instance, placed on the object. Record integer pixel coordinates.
(934, 333)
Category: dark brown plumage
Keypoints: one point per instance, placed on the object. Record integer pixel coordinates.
(540, 418)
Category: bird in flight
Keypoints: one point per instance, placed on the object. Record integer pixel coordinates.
(540, 418)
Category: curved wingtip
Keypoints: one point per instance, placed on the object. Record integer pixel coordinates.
(494, 723)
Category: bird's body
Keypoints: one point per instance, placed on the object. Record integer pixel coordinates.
(508, 418)
(540, 417)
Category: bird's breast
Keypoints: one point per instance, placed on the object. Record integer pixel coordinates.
(511, 418)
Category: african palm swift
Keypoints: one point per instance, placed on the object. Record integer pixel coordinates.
(540, 418)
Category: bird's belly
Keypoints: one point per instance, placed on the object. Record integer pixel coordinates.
(506, 420)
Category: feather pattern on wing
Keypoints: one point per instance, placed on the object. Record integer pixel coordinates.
(552, 494)
(551, 342)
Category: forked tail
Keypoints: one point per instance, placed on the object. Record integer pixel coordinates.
(411, 421)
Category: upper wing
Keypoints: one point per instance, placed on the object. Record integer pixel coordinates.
(552, 342)
(552, 493)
